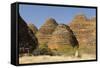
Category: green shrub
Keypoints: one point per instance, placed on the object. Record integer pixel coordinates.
(42, 50)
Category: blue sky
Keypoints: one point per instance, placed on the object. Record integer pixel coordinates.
(37, 14)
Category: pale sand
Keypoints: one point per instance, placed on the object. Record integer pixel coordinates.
(46, 58)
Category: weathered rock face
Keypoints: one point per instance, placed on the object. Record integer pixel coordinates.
(62, 37)
(79, 17)
(26, 38)
(46, 30)
(33, 28)
(84, 29)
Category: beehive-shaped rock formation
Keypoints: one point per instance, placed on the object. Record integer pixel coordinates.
(26, 38)
(79, 17)
(33, 28)
(46, 30)
(62, 37)
(84, 29)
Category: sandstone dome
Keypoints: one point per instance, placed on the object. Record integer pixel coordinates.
(33, 28)
(62, 37)
(79, 17)
(26, 38)
(46, 30)
(84, 29)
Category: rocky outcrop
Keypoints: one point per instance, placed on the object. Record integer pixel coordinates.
(33, 28)
(79, 17)
(62, 37)
(84, 29)
(46, 30)
(26, 38)
(59, 38)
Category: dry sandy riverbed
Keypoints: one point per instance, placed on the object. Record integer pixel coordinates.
(46, 58)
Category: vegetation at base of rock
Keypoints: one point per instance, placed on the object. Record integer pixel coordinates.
(42, 50)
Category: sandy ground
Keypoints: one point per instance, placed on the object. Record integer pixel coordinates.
(46, 58)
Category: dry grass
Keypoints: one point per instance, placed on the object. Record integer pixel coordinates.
(88, 49)
(46, 58)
